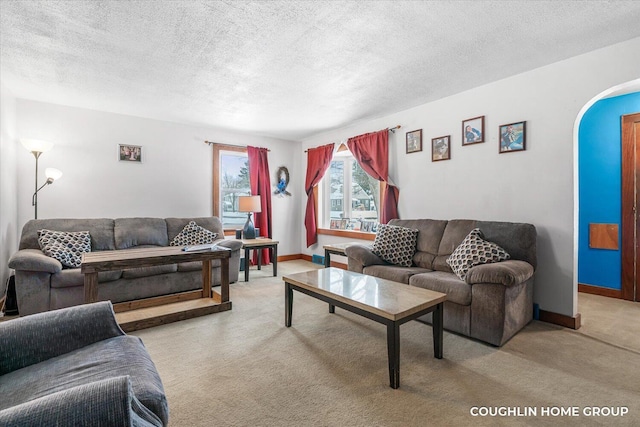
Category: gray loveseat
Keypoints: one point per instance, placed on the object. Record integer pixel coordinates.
(75, 367)
(493, 303)
(43, 284)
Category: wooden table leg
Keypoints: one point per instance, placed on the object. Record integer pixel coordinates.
(206, 278)
(288, 304)
(393, 349)
(327, 259)
(437, 324)
(224, 280)
(90, 287)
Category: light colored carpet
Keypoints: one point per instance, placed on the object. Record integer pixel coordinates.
(245, 368)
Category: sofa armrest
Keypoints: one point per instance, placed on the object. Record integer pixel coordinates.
(109, 402)
(234, 245)
(507, 273)
(361, 256)
(31, 339)
(34, 260)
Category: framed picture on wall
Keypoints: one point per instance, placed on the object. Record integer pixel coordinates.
(130, 153)
(441, 148)
(473, 131)
(513, 137)
(414, 141)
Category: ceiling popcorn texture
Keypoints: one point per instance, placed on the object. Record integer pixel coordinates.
(287, 69)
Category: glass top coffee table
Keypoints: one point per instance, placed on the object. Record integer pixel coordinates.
(384, 301)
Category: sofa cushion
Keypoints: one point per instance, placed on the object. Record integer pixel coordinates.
(211, 223)
(474, 250)
(197, 265)
(65, 246)
(132, 232)
(393, 272)
(193, 234)
(100, 229)
(457, 291)
(134, 273)
(519, 239)
(454, 233)
(395, 244)
(429, 238)
(118, 356)
(73, 277)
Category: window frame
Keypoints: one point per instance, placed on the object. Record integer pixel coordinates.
(217, 150)
(325, 208)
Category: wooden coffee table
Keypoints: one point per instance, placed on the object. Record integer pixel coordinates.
(384, 301)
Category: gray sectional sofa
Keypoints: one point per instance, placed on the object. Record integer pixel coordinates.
(43, 284)
(75, 367)
(493, 302)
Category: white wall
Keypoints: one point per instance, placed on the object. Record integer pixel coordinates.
(8, 210)
(175, 178)
(534, 186)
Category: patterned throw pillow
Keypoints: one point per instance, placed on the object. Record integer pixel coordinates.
(395, 244)
(193, 234)
(65, 246)
(474, 250)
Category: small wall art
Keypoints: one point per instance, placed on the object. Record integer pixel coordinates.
(513, 137)
(282, 181)
(130, 153)
(414, 141)
(473, 130)
(441, 148)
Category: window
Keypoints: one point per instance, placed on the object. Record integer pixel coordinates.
(230, 180)
(348, 192)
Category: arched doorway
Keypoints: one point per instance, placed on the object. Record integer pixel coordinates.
(598, 190)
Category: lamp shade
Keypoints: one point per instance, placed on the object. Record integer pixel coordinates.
(37, 145)
(249, 204)
(52, 173)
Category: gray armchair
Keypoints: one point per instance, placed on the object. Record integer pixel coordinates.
(75, 366)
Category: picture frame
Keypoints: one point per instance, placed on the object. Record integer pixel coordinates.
(130, 153)
(334, 224)
(414, 141)
(368, 226)
(343, 223)
(441, 148)
(513, 137)
(473, 131)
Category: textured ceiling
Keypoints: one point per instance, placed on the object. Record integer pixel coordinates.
(287, 69)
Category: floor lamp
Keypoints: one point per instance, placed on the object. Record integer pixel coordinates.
(37, 147)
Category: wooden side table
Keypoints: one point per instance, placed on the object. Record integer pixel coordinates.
(256, 244)
(336, 249)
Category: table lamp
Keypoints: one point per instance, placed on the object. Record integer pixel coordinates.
(249, 204)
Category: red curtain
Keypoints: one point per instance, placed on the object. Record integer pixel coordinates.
(260, 185)
(371, 151)
(318, 161)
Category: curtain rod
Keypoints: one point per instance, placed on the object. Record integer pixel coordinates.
(228, 145)
(392, 130)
